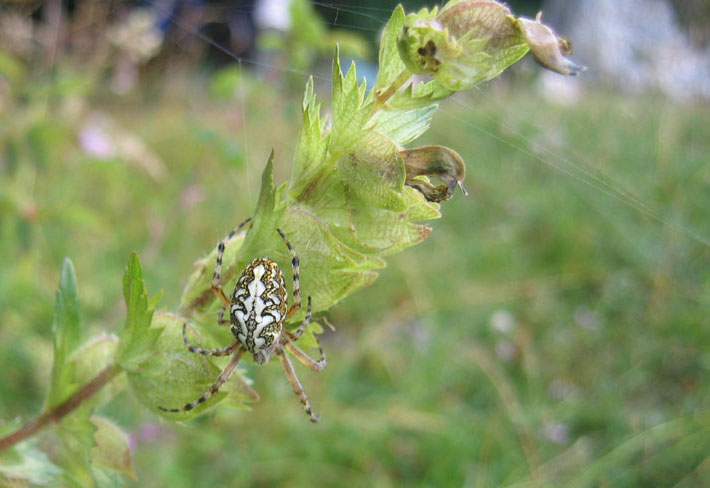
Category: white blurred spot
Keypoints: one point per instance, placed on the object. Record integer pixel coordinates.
(273, 14)
(503, 321)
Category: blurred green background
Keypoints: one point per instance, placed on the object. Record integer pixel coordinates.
(553, 330)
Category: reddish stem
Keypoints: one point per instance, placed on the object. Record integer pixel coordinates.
(55, 414)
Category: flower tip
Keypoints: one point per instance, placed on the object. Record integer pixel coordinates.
(548, 48)
(463, 188)
(564, 66)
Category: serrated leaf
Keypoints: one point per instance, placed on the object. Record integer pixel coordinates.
(403, 126)
(312, 148)
(175, 376)
(349, 114)
(419, 96)
(137, 338)
(111, 450)
(66, 334)
(262, 239)
(267, 202)
(390, 64)
(330, 270)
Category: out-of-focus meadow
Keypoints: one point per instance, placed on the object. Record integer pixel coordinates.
(553, 330)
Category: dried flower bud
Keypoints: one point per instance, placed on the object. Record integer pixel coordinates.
(548, 49)
(437, 162)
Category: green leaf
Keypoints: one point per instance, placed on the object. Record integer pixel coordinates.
(111, 450)
(404, 126)
(77, 437)
(95, 451)
(262, 238)
(330, 270)
(267, 199)
(66, 333)
(138, 338)
(175, 376)
(309, 164)
(308, 338)
(390, 63)
(349, 114)
(419, 96)
(24, 462)
(76, 430)
(380, 209)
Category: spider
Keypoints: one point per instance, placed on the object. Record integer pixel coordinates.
(257, 311)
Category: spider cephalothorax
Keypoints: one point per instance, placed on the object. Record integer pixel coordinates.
(258, 310)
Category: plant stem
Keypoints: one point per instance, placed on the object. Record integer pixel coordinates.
(57, 413)
(398, 82)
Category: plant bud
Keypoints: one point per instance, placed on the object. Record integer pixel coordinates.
(471, 41)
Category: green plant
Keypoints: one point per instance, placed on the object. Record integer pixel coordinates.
(355, 196)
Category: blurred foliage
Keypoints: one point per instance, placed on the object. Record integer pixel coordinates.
(307, 40)
(546, 334)
(368, 15)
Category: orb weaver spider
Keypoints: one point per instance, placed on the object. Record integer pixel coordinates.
(258, 311)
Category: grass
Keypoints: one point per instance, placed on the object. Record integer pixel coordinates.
(546, 334)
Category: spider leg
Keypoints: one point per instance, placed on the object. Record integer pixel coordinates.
(218, 267)
(226, 351)
(294, 336)
(291, 337)
(295, 384)
(220, 315)
(223, 376)
(299, 354)
(296, 277)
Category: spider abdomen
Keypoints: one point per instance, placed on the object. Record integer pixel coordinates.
(259, 308)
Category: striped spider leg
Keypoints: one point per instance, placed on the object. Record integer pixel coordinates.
(258, 310)
(218, 270)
